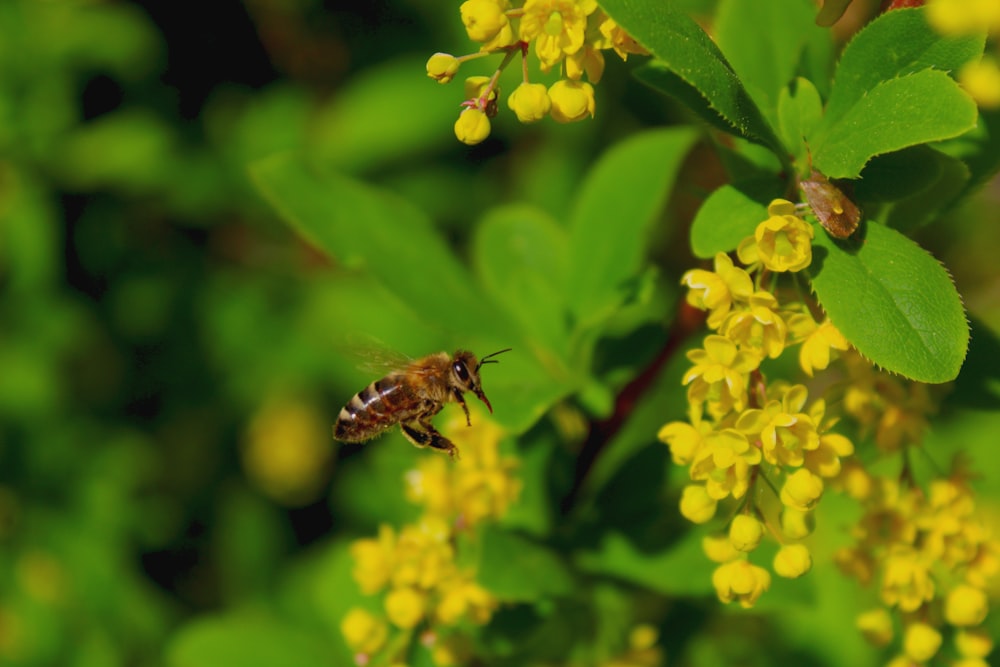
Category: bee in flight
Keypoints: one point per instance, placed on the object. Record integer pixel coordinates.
(412, 395)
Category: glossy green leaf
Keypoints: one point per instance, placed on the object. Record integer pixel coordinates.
(896, 44)
(517, 569)
(730, 214)
(926, 205)
(248, 641)
(620, 200)
(688, 54)
(800, 111)
(893, 301)
(765, 66)
(519, 254)
(366, 227)
(915, 109)
(898, 175)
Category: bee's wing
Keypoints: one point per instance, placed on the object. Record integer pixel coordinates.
(373, 356)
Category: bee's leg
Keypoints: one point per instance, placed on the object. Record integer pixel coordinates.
(461, 401)
(429, 437)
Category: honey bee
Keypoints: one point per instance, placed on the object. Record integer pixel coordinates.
(412, 395)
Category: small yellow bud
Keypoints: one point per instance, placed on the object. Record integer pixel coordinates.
(792, 561)
(696, 505)
(719, 548)
(405, 607)
(741, 581)
(876, 626)
(973, 643)
(472, 127)
(483, 19)
(745, 532)
(965, 605)
(981, 79)
(442, 67)
(796, 524)
(363, 631)
(571, 101)
(921, 641)
(530, 101)
(802, 490)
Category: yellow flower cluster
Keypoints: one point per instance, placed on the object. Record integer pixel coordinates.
(568, 34)
(416, 570)
(741, 429)
(931, 558)
(981, 77)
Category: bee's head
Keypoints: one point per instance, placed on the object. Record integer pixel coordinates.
(465, 373)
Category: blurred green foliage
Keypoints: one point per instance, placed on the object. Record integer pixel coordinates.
(154, 309)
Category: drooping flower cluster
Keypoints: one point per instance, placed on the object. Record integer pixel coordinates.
(416, 569)
(924, 548)
(980, 77)
(568, 35)
(743, 431)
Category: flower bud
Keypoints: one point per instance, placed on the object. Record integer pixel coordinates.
(876, 626)
(405, 607)
(571, 101)
(921, 642)
(696, 505)
(741, 581)
(363, 632)
(796, 524)
(965, 605)
(802, 490)
(530, 101)
(792, 561)
(472, 127)
(442, 67)
(719, 548)
(745, 532)
(483, 19)
(973, 643)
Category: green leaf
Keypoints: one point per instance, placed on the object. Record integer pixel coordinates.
(916, 109)
(517, 569)
(683, 49)
(680, 570)
(246, 640)
(519, 254)
(363, 226)
(899, 175)
(894, 302)
(800, 111)
(731, 213)
(765, 66)
(609, 228)
(896, 44)
(925, 206)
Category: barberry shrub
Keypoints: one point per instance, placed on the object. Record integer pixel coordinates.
(802, 377)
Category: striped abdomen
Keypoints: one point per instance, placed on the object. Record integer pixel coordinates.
(375, 408)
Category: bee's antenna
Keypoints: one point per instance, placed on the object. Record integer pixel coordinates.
(484, 361)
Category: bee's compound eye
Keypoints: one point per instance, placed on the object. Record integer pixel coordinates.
(461, 372)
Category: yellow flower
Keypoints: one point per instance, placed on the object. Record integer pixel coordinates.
(719, 548)
(741, 581)
(405, 607)
(486, 22)
(792, 561)
(374, 560)
(556, 26)
(973, 643)
(684, 440)
(530, 101)
(921, 641)
(801, 490)
(618, 39)
(587, 60)
(572, 101)
(696, 505)
(783, 242)
(724, 464)
(363, 631)
(785, 433)
(442, 67)
(716, 291)
(463, 598)
(796, 523)
(472, 126)
(718, 376)
(876, 626)
(745, 532)
(758, 327)
(825, 459)
(965, 606)
(817, 341)
(981, 79)
(906, 581)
